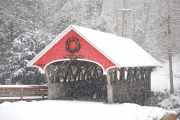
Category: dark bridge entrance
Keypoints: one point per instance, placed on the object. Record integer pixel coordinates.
(77, 80)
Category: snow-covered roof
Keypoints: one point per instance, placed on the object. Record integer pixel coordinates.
(124, 52)
(121, 51)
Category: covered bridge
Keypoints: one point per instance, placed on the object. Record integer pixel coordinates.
(84, 64)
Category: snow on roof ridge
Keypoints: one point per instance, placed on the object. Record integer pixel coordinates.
(75, 26)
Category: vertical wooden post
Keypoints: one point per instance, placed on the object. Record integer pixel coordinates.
(52, 72)
(43, 93)
(109, 89)
(122, 71)
(21, 95)
(47, 76)
(150, 70)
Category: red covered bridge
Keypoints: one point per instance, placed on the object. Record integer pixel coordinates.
(85, 64)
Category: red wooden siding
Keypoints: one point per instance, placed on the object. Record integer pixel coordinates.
(58, 51)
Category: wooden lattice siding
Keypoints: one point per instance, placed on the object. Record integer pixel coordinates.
(74, 70)
(130, 74)
(131, 84)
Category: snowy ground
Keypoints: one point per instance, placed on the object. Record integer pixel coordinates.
(69, 110)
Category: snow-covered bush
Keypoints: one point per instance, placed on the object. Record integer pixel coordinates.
(172, 102)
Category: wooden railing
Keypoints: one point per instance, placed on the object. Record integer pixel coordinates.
(13, 93)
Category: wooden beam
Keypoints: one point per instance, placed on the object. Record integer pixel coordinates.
(47, 76)
(52, 72)
(109, 89)
(108, 78)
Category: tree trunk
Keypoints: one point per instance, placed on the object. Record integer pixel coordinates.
(171, 74)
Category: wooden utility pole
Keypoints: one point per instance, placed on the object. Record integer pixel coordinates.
(123, 16)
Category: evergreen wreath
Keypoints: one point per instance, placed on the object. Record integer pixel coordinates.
(77, 45)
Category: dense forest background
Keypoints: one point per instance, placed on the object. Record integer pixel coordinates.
(27, 26)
